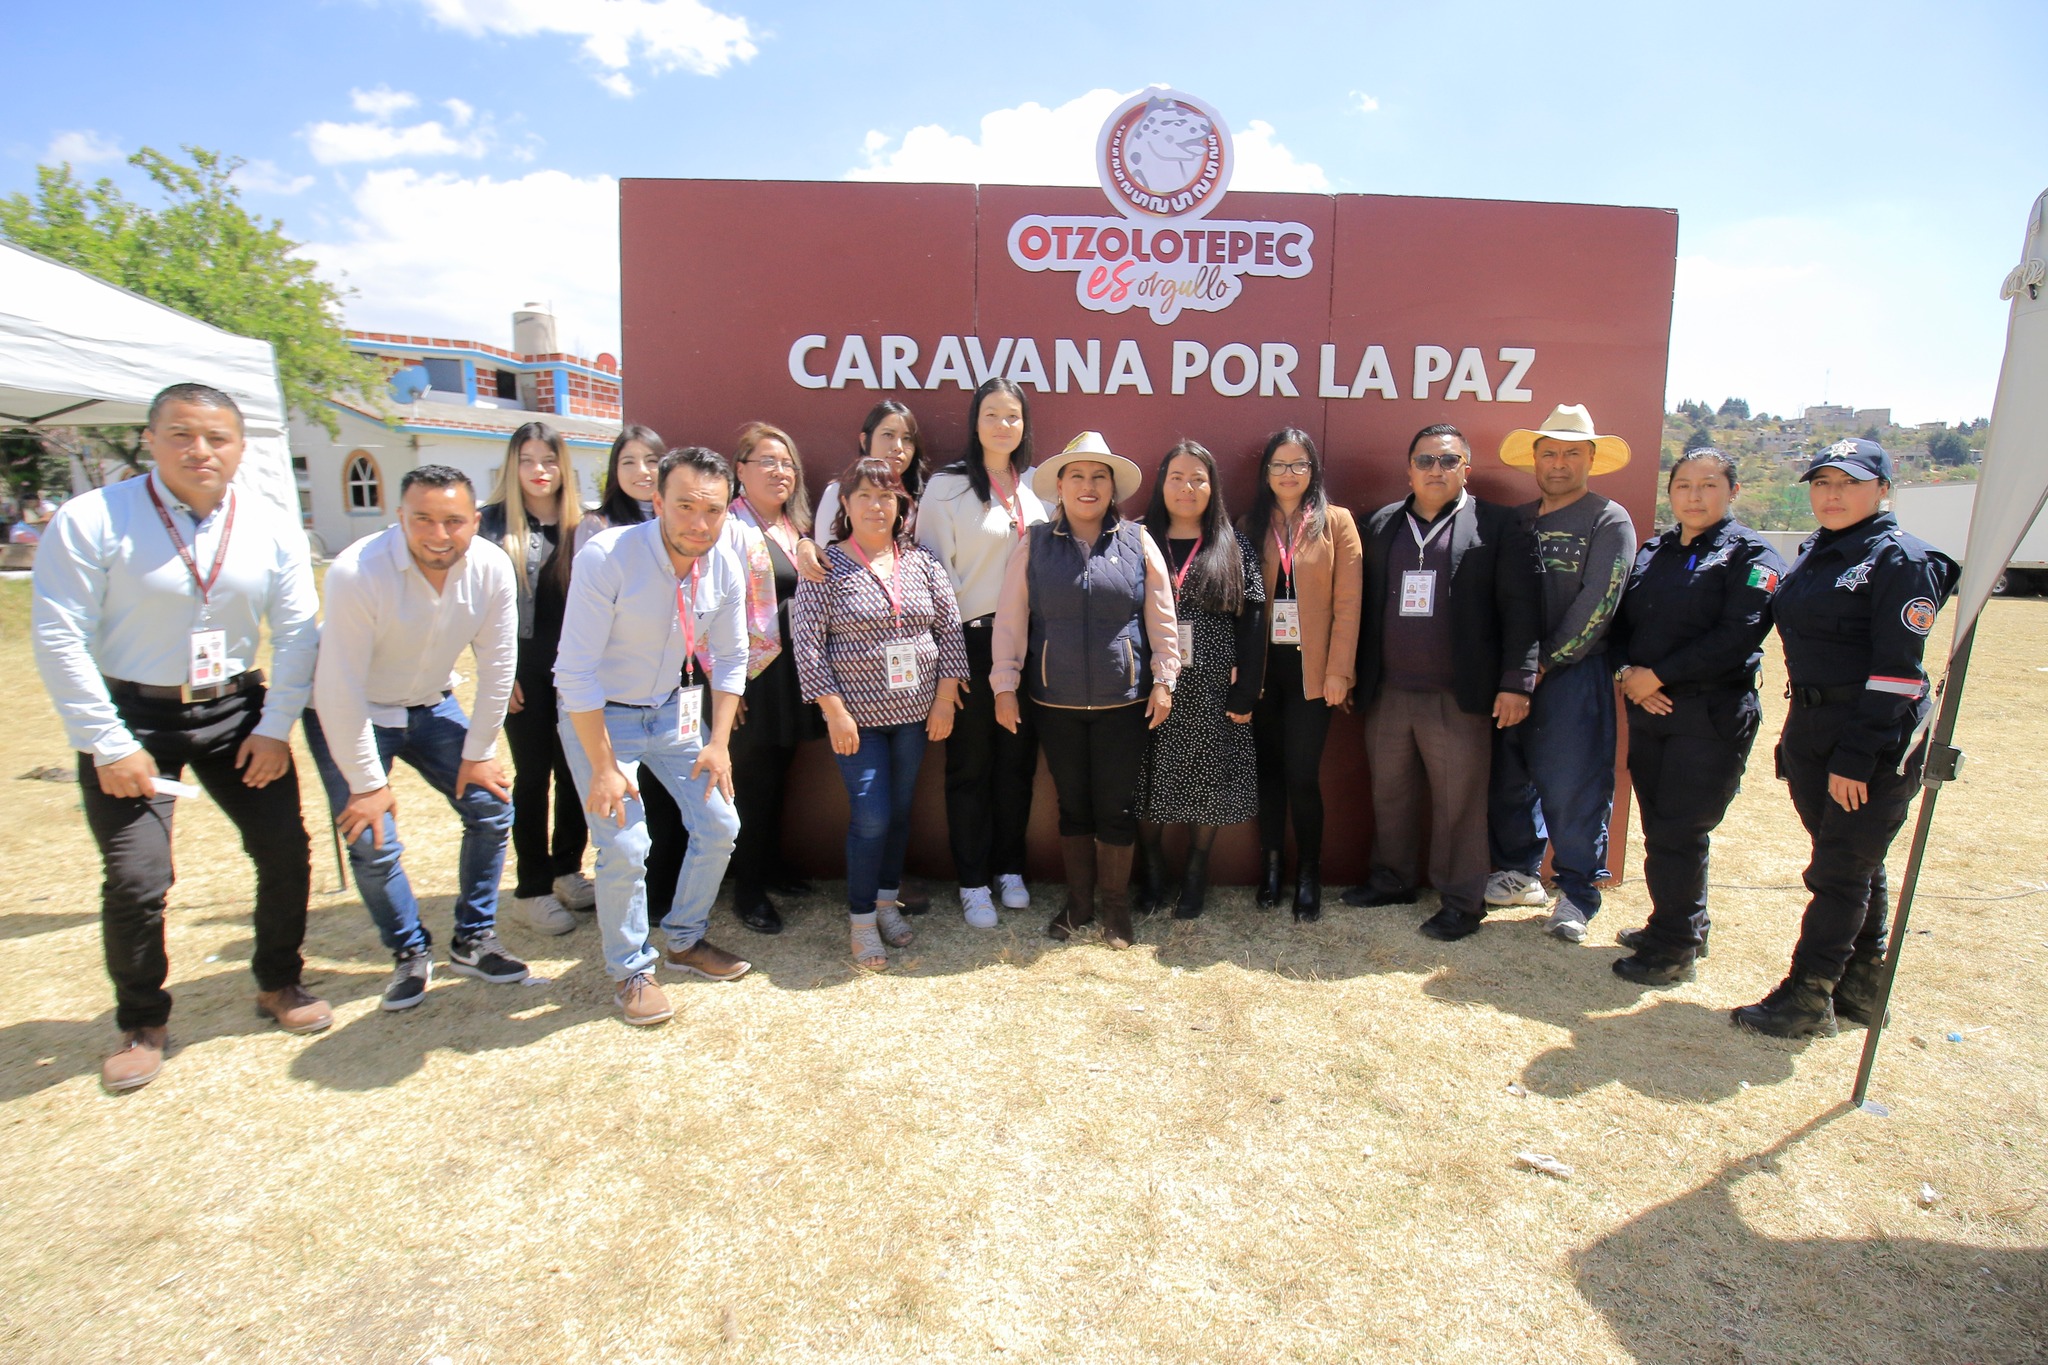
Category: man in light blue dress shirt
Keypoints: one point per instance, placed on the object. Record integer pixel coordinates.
(150, 599)
(641, 598)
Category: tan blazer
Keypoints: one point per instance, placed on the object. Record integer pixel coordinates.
(1329, 582)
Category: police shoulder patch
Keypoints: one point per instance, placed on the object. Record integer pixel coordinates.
(1918, 615)
(1763, 577)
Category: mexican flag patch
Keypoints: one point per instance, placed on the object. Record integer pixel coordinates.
(1761, 577)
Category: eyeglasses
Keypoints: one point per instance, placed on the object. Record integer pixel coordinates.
(1294, 467)
(1446, 461)
(773, 466)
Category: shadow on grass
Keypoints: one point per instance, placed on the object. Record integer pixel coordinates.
(29, 923)
(1690, 1282)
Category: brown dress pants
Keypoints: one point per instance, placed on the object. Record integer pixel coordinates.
(1417, 744)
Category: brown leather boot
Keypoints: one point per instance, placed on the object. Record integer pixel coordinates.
(141, 1056)
(1113, 893)
(296, 1009)
(1078, 852)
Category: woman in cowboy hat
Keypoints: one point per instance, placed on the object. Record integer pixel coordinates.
(1086, 621)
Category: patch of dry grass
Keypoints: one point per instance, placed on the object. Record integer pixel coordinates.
(1242, 1140)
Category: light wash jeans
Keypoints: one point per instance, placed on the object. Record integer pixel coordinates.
(644, 742)
(431, 744)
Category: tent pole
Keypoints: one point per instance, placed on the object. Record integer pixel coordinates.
(1942, 765)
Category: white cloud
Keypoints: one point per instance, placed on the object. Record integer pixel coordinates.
(1034, 145)
(663, 35)
(454, 255)
(335, 143)
(82, 147)
(382, 102)
(1363, 103)
(461, 111)
(266, 177)
(1787, 312)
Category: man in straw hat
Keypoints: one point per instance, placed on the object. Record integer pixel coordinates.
(1553, 777)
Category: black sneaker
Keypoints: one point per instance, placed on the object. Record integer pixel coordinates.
(1448, 926)
(484, 958)
(409, 978)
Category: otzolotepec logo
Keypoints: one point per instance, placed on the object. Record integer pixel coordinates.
(1165, 160)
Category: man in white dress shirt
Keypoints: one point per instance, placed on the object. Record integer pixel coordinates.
(641, 600)
(402, 606)
(150, 598)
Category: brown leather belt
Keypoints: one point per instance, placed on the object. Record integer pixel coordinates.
(241, 682)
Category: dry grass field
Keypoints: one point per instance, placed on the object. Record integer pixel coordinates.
(1240, 1141)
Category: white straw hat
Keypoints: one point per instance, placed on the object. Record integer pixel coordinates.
(1567, 422)
(1089, 445)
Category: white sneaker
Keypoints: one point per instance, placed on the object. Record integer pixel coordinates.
(1016, 895)
(544, 913)
(976, 907)
(1515, 888)
(1567, 922)
(576, 891)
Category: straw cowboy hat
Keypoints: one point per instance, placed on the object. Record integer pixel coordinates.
(1089, 445)
(1567, 422)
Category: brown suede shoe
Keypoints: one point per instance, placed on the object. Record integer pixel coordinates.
(140, 1058)
(707, 959)
(295, 1009)
(642, 1002)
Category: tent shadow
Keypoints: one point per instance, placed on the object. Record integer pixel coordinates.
(1691, 1282)
(29, 923)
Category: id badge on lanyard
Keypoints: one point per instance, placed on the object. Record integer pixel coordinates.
(902, 661)
(1183, 628)
(209, 665)
(690, 713)
(690, 697)
(1286, 622)
(207, 656)
(1418, 592)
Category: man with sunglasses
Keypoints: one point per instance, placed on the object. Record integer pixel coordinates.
(1447, 647)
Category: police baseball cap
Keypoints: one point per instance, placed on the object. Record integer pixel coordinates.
(1860, 459)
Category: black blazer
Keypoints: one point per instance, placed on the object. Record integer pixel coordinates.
(1495, 597)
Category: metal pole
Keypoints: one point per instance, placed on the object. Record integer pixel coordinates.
(1942, 765)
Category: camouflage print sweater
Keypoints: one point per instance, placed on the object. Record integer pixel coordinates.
(1586, 549)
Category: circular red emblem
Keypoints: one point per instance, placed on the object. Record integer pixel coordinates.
(1919, 615)
(1163, 154)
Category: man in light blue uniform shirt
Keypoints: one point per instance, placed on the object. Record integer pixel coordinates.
(150, 599)
(641, 600)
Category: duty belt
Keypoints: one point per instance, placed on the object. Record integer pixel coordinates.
(1822, 696)
(1744, 681)
(241, 682)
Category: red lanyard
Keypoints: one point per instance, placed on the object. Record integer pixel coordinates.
(686, 615)
(1186, 564)
(1013, 502)
(220, 554)
(895, 586)
(1286, 548)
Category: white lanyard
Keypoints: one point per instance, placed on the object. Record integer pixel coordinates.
(1444, 519)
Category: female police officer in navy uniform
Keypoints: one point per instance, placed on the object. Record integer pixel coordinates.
(1687, 642)
(1853, 613)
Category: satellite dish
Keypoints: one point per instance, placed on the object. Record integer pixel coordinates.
(409, 384)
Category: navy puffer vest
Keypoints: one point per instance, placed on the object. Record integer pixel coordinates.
(1088, 646)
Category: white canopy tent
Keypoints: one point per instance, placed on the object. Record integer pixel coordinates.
(77, 351)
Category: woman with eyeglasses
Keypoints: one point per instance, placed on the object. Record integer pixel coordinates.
(1201, 769)
(973, 516)
(879, 650)
(534, 516)
(1314, 569)
(770, 518)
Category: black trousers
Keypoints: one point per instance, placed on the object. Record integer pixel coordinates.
(1686, 767)
(134, 835)
(1289, 730)
(760, 776)
(1095, 757)
(1846, 878)
(538, 762)
(989, 775)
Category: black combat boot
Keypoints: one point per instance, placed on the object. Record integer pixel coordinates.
(1634, 939)
(1655, 966)
(1856, 992)
(1802, 1006)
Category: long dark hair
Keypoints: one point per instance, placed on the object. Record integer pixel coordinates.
(619, 507)
(914, 472)
(1315, 504)
(972, 463)
(876, 473)
(1216, 580)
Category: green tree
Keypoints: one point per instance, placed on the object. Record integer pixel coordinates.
(1733, 407)
(1948, 447)
(203, 254)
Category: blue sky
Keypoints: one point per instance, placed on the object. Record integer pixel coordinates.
(1851, 180)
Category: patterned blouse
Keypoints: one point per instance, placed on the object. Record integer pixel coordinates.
(843, 626)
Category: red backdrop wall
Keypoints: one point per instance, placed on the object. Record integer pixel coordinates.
(720, 279)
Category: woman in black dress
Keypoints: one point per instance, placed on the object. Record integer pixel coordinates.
(1202, 767)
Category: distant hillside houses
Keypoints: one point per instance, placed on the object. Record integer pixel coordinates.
(454, 402)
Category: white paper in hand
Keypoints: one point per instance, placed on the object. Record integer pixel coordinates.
(169, 787)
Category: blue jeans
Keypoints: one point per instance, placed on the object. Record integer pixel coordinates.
(645, 743)
(881, 779)
(431, 743)
(1553, 779)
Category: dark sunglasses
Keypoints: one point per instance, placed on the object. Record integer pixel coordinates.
(1436, 461)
